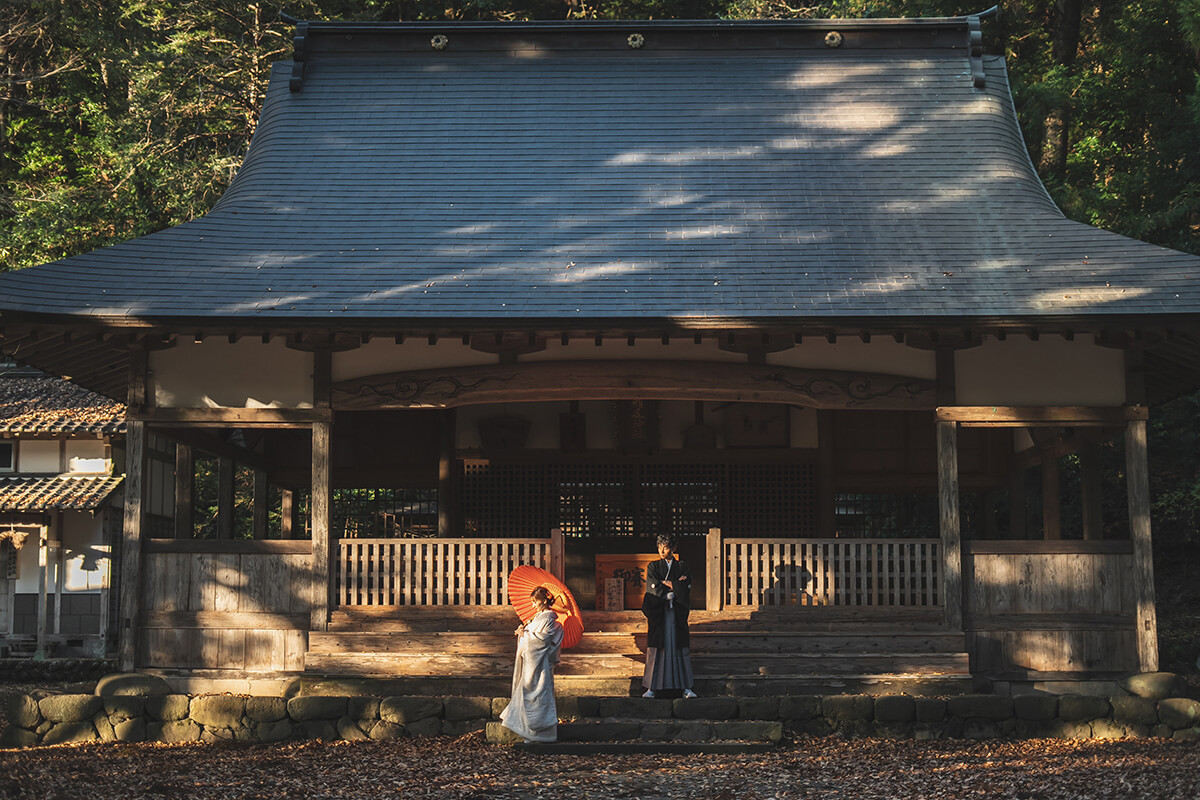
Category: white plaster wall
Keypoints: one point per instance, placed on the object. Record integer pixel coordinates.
(85, 557)
(87, 455)
(884, 356)
(245, 374)
(1049, 372)
(38, 456)
(380, 356)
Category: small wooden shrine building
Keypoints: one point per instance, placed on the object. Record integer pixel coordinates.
(60, 513)
(485, 294)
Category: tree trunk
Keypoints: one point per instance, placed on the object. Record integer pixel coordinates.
(1066, 18)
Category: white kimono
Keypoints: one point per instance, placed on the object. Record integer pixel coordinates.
(531, 712)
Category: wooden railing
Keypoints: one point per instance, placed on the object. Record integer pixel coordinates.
(437, 572)
(824, 572)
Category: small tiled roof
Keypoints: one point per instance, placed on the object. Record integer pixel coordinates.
(31, 404)
(56, 493)
(558, 173)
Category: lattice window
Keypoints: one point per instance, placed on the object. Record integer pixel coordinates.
(643, 500)
(771, 500)
(899, 515)
(507, 500)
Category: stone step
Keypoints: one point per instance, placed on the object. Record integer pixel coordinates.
(644, 748)
(653, 730)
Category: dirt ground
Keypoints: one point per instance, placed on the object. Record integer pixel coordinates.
(457, 769)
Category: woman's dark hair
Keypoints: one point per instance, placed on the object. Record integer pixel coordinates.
(542, 595)
(666, 539)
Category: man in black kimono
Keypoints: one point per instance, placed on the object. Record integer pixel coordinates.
(666, 606)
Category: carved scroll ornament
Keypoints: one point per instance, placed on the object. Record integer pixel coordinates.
(629, 380)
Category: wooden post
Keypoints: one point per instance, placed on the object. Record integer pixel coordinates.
(43, 590)
(1092, 488)
(56, 547)
(1017, 519)
(226, 471)
(260, 504)
(826, 483)
(715, 570)
(952, 581)
(320, 508)
(184, 471)
(287, 514)
(131, 543)
(447, 496)
(1051, 497)
(558, 554)
(1138, 485)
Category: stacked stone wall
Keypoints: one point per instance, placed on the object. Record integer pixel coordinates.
(72, 718)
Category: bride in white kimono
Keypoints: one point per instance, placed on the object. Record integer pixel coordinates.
(531, 712)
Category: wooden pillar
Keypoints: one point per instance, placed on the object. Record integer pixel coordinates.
(1092, 488)
(185, 469)
(136, 434)
(1051, 497)
(131, 543)
(558, 554)
(952, 578)
(320, 509)
(714, 571)
(1138, 486)
(43, 598)
(287, 514)
(260, 504)
(226, 472)
(447, 485)
(56, 551)
(826, 481)
(1017, 517)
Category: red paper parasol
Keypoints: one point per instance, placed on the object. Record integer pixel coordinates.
(521, 583)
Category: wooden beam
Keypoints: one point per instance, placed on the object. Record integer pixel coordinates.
(1030, 416)
(948, 516)
(826, 476)
(1042, 547)
(714, 570)
(234, 417)
(1051, 498)
(947, 382)
(185, 469)
(240, 546)
(447, 474)
(558, 554)
(260, 504)
(131, 540)
(322, 378)
(1092, 490)
(43, 598)
(320, 510)
(1138, 486)
(226, 472)
(288, 523)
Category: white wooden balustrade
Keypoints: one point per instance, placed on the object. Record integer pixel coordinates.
(828, 572)
(437, 572)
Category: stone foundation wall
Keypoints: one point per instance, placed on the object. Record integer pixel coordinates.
(69, 718)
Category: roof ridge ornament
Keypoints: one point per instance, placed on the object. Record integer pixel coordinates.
(975, 50)
(299, 45)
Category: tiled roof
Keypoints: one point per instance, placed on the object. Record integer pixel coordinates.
(735, 174)
(40, 404)
(56, 493)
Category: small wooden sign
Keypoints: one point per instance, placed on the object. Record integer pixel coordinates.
(614, 594)
(630, 569)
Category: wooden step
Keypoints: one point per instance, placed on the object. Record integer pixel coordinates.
(702, 643)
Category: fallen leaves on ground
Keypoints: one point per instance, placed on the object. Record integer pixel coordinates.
(467, 768)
